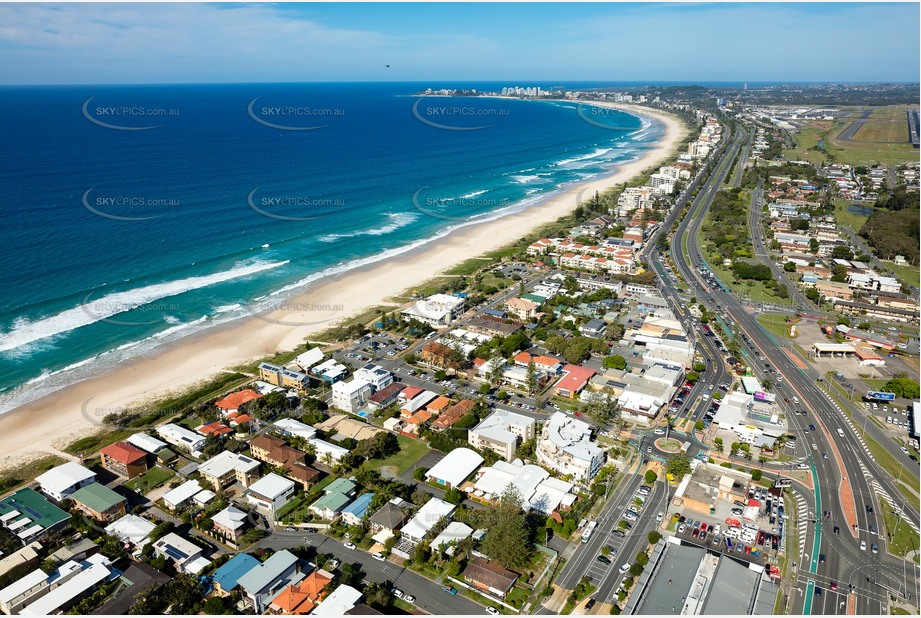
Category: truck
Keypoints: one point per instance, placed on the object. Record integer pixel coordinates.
(589, 529)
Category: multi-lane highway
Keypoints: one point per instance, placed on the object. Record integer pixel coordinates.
(845, 563)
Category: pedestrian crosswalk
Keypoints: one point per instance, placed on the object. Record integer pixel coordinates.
(883, 494)
(802, 519)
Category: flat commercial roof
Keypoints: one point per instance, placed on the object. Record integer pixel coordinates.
(672, 581)
(732, 589)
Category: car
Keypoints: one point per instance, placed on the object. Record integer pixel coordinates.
(492, 610)
(738, 503)
(648, 449)
(660, 516)
(694, 533)
(811, 427)
(590, 603)
(378, 556)
(837, 530)
(681, 528)
(903, 449)
(872, 529)
(449, 589)
(409, 598)
(821, 558)
(913, 458)
(619, 532)
(818, 591)
(659, 432)
(824, 455)
(290, 529)
(874, 548)
(796, 400)
(334, 563)
(603, 559)
(397, 593)
(863, 546)
(869, 508)
(682, 519)
(625, 567)
(833, 585)
(349, 545)
(710, 528)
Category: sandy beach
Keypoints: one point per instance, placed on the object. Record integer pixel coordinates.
(50, 423)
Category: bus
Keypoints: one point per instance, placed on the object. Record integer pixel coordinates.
(589, 529)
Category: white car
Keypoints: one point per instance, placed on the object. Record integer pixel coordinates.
(660, 516)
(378, 556)
(659, 432)
(796, 400)
(492, 610)
(409, 598)
(349, 545)
(863, 545)
(904, 450)
(625, 568)
(398, 593)
(681, 528)
(705, 396)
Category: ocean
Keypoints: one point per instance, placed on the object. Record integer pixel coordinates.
(135, 215)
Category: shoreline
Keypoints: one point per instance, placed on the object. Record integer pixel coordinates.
(73, 411)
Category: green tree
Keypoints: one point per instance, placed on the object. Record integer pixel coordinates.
(789, 267)
(756, 475)
(215, 606)
(654, 537)
(614, 362)
(419, 474)
(650, 477)
(508, 540)
(531, 377)
(678, 465)
(454, 496)
(699, 425)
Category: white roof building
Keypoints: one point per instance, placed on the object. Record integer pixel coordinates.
(340, 600)
(65, 479)
(351, 395)
(436, 310)
(179, 496)
(226, 463)
(375, 375)
(292, 427)
(539, 491)
(565, 445)
(184, 553)
(309, 358)
(454, 532)
(455, 467)
(131, 529)
(426, 517)
(146, 443)
(501, 431)
(180, 436)
(323, 448)
(89, 574)
(230, 518)
(331, 370)
(270, 492)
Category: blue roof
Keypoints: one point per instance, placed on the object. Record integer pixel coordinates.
(232, 570)
(360, 505)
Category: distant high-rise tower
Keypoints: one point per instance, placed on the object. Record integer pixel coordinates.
(745, 87)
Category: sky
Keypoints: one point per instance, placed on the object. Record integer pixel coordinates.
(279, 42)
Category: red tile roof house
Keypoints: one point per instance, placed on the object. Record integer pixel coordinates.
(216, 428)
(490, 577)
(233, 401)
(573, 381)
(453, 414)
(124, 459)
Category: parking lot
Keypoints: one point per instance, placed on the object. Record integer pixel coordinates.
(725, 530)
